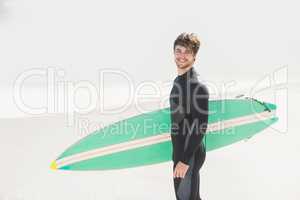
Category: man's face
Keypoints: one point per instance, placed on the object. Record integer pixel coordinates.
(183, 57)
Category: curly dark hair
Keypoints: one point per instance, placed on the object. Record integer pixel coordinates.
(188, 40)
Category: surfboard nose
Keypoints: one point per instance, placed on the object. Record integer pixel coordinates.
(270, 106)
(53, 165)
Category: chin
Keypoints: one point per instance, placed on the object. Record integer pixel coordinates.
(182, 66)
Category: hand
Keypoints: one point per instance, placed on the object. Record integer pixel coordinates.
(180, 170)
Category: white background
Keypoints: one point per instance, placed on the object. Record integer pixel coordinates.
(247, 42)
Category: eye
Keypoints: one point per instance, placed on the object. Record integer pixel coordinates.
(188, 52)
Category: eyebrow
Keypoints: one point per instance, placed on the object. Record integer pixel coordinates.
(187, 50)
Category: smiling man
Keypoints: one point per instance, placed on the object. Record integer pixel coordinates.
(189, 118)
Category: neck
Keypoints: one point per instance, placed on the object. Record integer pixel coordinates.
(182, 71)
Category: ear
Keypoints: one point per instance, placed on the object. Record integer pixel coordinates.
(194, 57)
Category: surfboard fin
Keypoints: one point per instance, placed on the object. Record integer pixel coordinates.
(246, 139)
(239, 96)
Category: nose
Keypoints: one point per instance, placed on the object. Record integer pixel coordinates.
(181, 55)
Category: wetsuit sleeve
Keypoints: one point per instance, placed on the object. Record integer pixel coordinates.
(197, 120)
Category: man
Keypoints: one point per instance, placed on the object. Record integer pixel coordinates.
(189, 118)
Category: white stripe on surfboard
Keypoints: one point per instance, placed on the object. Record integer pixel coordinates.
(113, 149)
(220, 125)
(217, 126)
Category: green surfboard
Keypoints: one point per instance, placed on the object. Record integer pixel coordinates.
(145, 139)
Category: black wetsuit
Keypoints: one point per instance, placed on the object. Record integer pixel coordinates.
(189, 118)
